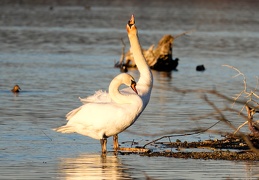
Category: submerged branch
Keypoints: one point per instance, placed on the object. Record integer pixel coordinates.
(122, 52)
(184, 33)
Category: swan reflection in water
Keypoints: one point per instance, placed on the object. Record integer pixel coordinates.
(93, 166)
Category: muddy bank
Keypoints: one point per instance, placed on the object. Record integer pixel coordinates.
(229, 148)
(229, 142)
(216, 155)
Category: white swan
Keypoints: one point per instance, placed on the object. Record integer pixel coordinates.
(101, 120)
(144, 87)
(145, 82)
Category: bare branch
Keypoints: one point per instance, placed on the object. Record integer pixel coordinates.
(184, 33)
(198, 131)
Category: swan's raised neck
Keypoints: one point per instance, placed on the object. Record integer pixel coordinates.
(146, 77)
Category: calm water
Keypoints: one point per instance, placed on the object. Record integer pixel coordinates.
(58, 55)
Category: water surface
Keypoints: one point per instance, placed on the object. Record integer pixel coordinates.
(59, 55)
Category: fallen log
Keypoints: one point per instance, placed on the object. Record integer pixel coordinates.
(159, 58)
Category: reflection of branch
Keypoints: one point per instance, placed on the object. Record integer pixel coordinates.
(122, 53)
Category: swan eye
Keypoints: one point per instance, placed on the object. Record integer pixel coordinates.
(133, 82)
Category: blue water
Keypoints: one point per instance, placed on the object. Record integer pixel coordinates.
(57, 56)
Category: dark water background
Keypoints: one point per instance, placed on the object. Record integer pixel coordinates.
(58, 51)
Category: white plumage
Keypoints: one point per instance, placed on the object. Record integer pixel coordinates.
(107, 114)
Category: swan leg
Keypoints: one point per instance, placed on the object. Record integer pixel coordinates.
(103, 145)
(115, 142)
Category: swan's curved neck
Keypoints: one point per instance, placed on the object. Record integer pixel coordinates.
(116, 95)
(146, 77)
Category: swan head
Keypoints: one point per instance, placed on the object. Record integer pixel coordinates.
(131, 24)
(128, 80)
(16, 89)
(125, 79)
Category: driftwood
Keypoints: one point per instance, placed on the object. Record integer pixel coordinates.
(137, 150)
(159, 58)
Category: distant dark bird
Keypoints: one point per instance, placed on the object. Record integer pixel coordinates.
(176, 62)
(200, 68)
(16, 89)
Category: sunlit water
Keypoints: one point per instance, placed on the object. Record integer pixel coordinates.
(59, 55)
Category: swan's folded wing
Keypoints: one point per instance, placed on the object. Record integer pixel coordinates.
(99, 97)
(100, 116)
(103, 96)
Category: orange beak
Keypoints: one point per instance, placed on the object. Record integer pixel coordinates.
(133, 86)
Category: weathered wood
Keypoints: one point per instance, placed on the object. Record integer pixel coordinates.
(159, 58)
(128, 149)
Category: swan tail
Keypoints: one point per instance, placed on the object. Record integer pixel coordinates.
(65, 129)
(72, 113)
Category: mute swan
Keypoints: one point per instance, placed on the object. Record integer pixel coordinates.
(16, 89)
(106, 117)
(145, 82)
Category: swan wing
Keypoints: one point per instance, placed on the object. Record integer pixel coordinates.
(99, 97)
(104, 97)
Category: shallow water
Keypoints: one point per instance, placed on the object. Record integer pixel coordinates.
(59, 55)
